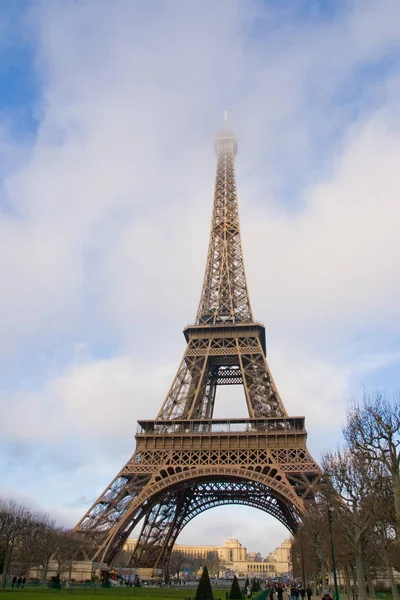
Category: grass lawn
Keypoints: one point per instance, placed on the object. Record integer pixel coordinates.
(41, 592)
(112, 593)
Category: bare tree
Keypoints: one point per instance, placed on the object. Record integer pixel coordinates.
(310, 549)
(69, 550)
(178, 561)
(311, 545)
(13, 522)
(355, 483)
(373, 429)
(385, 554)
(47, 547)
(32, 539)
(380, 545)
(213, 562)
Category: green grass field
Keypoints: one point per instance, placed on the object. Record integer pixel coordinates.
(113, 593)
(80, 594)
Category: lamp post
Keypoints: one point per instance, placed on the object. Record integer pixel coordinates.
(325, 479)
(330, 509)
(302, 558)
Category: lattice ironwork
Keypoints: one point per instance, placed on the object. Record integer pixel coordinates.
(224, 297)
(185, 502)
(204, 364)
(185, 461)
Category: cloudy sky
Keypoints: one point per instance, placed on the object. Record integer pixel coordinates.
(107, 117)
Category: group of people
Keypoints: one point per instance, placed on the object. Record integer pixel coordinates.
(18, 582)
(299, 591)
(275, 589)
(295, 592)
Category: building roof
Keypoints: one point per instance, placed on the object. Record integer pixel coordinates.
(232, 543)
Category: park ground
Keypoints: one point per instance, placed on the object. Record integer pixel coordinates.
(175, 593)
(112, 594)
(142, 593)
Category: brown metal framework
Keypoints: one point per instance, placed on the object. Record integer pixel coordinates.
(185, 461)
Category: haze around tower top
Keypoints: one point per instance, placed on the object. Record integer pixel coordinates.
(107, 118)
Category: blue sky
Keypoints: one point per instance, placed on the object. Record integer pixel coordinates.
(19, 83)
(107, 118)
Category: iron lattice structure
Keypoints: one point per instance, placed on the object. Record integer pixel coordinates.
(185, 461)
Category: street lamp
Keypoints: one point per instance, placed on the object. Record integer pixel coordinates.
(325, 479)
(330, 510)
(302, 558)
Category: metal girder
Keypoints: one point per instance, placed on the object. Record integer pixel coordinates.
(221, 360)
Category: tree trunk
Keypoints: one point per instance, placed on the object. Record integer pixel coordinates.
(315, 582)
(371, 589)
(393, 584)
(347, 580)
(362, 590)
(396, 486)
(59, 567)
(28, 568)
(45, 568)
(354, 574)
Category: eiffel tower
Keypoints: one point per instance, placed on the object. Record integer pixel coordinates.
(185, 461)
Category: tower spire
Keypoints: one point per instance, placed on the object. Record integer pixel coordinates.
(224, 297)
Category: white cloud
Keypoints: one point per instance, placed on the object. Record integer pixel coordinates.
(100, 400)
(335, 263)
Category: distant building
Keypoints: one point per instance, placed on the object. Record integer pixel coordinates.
(254, 556)
(235, 557)
(281, 558)
(230, 551)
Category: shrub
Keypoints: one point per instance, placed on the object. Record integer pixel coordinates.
(204, 589)
(235, 593)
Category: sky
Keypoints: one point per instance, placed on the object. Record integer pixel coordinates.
(107, 117)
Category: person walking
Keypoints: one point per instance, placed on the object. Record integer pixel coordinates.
(279, 592)
(308, 592)
(302, 592)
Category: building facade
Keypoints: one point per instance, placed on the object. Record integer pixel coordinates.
(281, 558)
(234, 557)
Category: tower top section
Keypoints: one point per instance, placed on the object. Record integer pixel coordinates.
(224, 298)
(226, 141)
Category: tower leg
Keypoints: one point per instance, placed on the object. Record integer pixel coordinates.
(159, 531)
